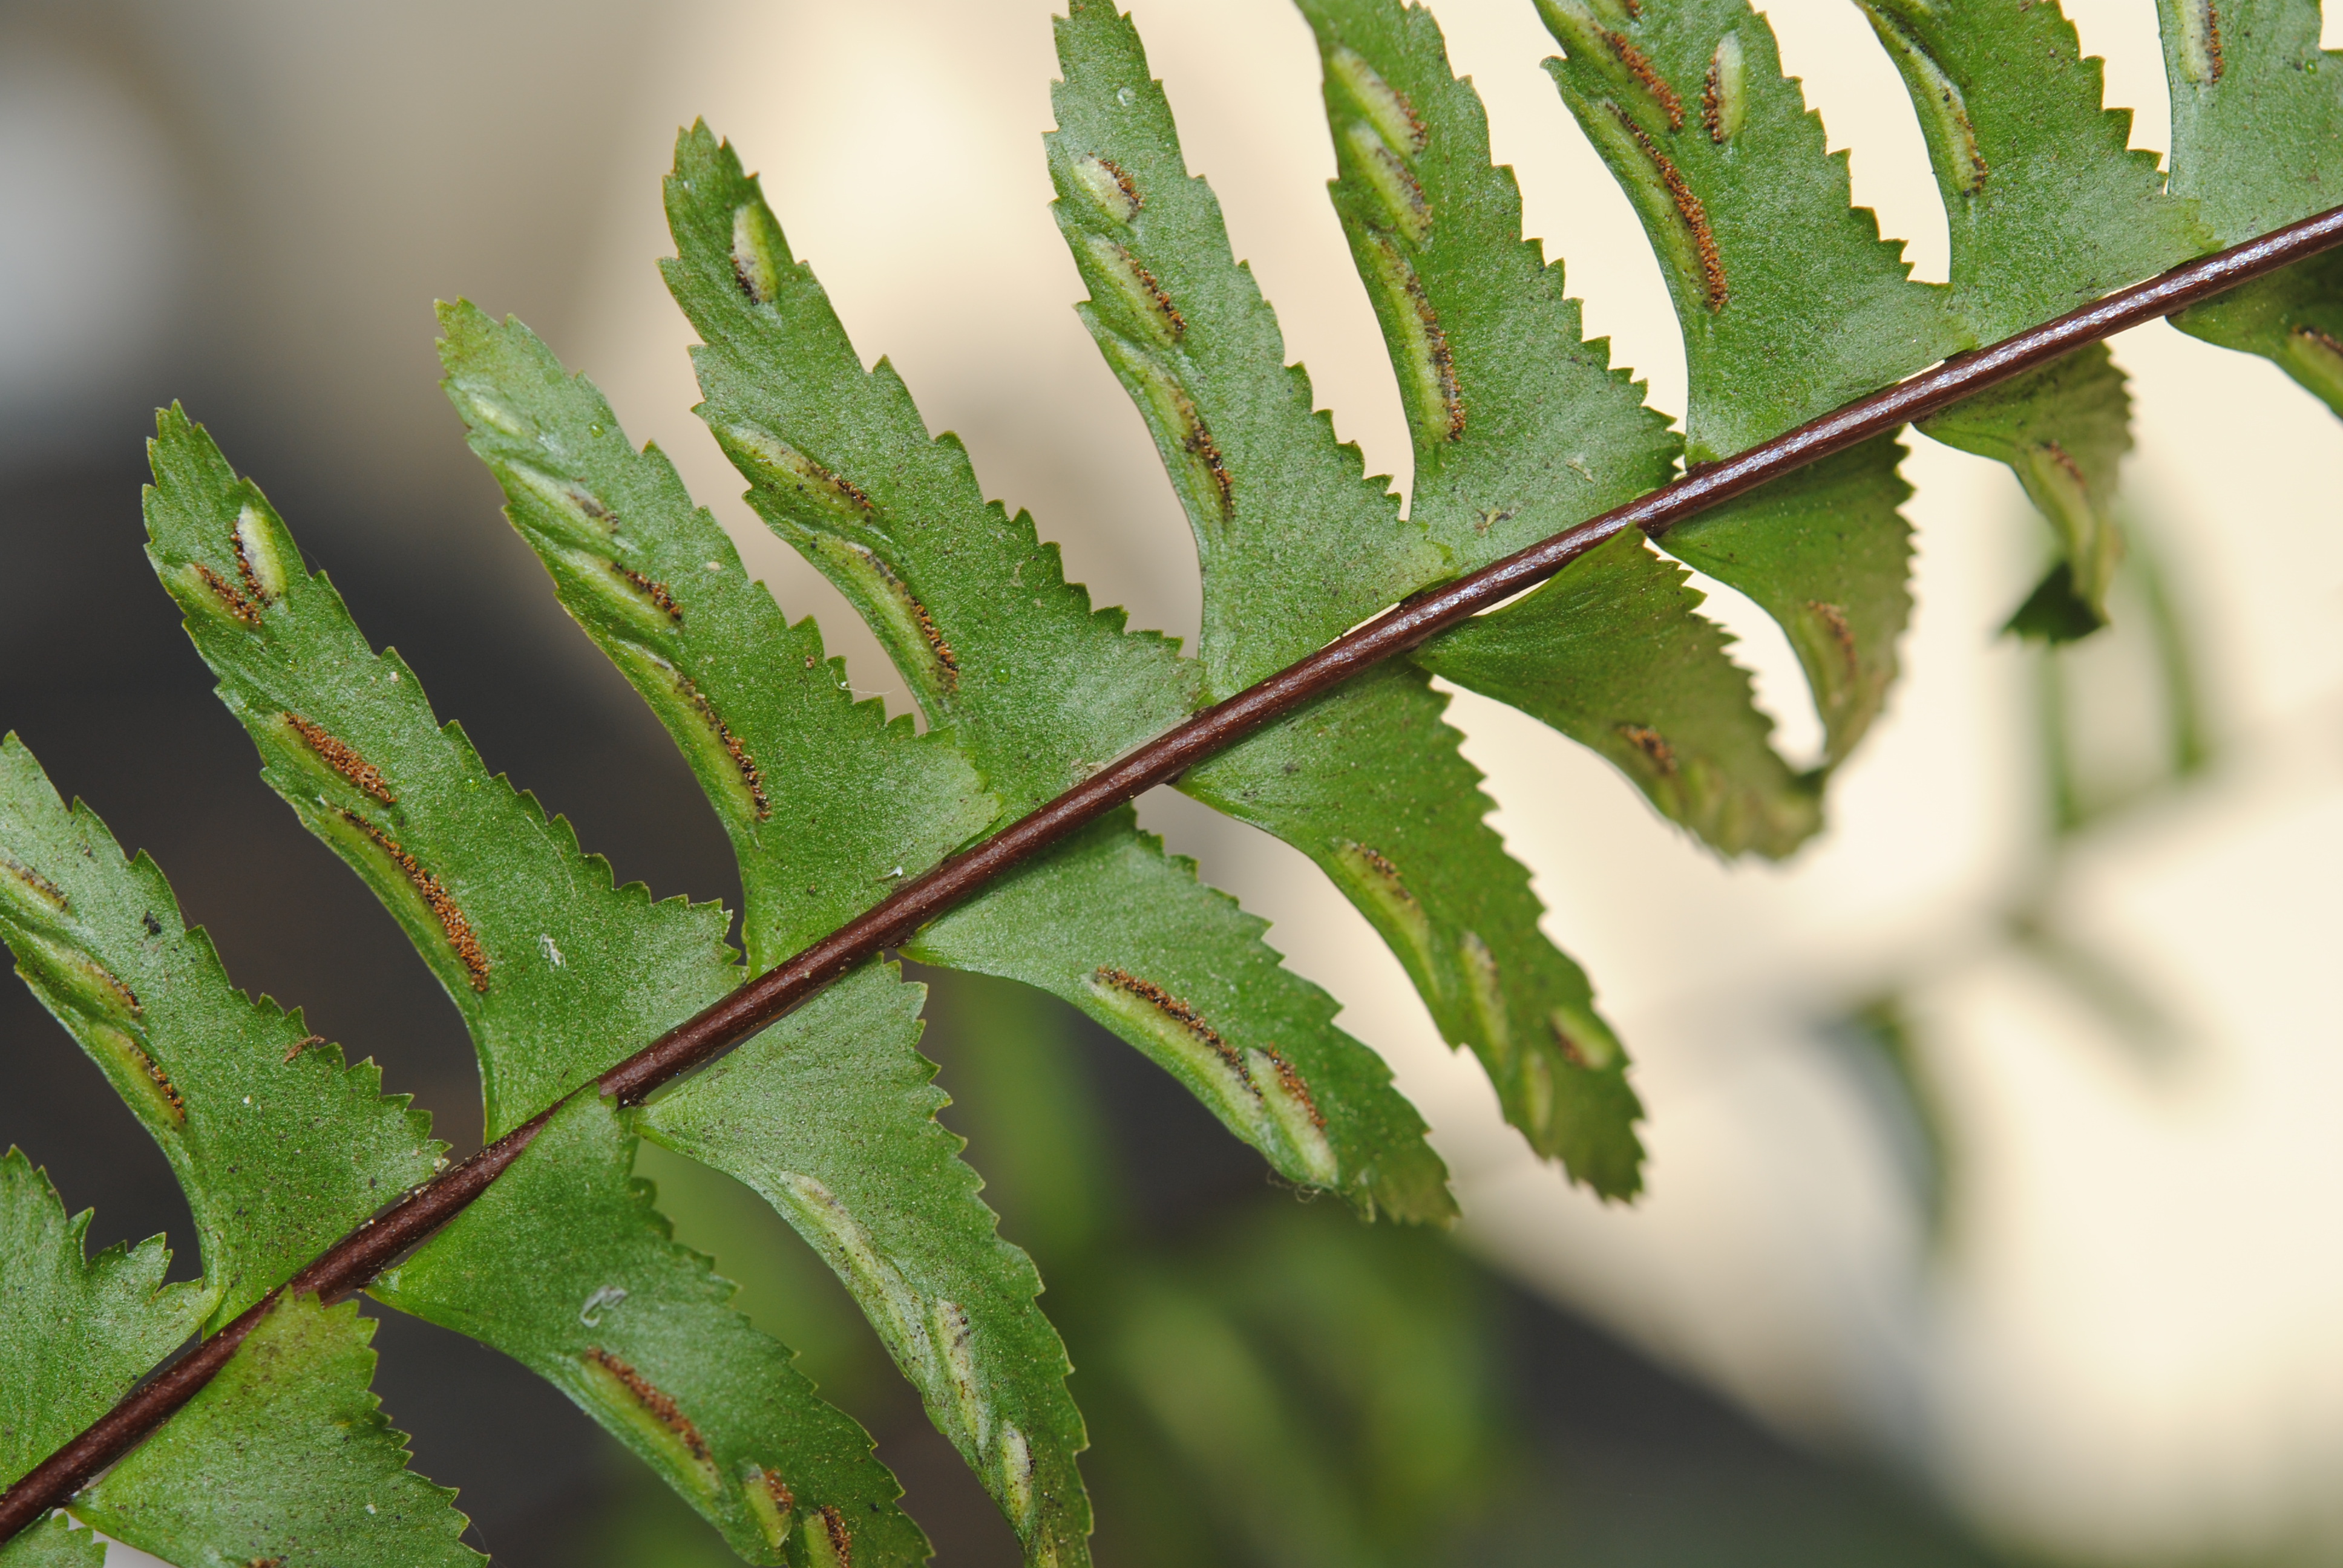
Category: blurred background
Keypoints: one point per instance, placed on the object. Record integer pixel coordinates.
(1995, 1188)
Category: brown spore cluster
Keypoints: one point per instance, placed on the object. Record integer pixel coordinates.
(1689, 208)
(946, 660)
(1122, 179)
(841, 1540)
(660, 1404)
(228, 594)
(342, 759)
(1652, 744)
(1295, 1085)
(1639, 66)
(1834, 619)
(243, 566)
(1178, 1011)
(657, 592)
(436, 897)
(48, 891)
(1443, 358)
(747, 765)
(154, 1069)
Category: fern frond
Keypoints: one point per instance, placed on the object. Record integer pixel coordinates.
(1789, 300)
(1393, 217)
(278, 1145)
(1611, 654)
(1047, 712)
(2048, 210)
(1521, 428)
(2256, 141)
(1826, 551)
(1194, 988)
(1038, 687)
(1370, 784)
(1290, 513)
(830, 1115)
(554, 971)
(76, 1332)
(1295, 543)
(777, 366)
(2257, 111)
(2063, 430)
(565, 1266)
(2049, 207)
(284, 1457)
(927, 1243)
(825, 802)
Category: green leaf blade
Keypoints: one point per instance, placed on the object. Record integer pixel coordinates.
(844, 469)
(278, 1145)
(830, 1115)
(2257, 111)
(826, 803)
(565, 1266)
(1610, 653)
(1283, 508)
(517, 379)
(285, 1458)
(2063, 430)
(1110, 923)
(975, 610)
(556, 973)
(2256, 143)
(76, 1332)
(2293, 317)
(1826, 551)
(571, 964)
(2049, 208)
(54, 1543)
(1521, 428)
(1790, 301)
(1296, 543)
(1369, 783)
(1791, 304)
